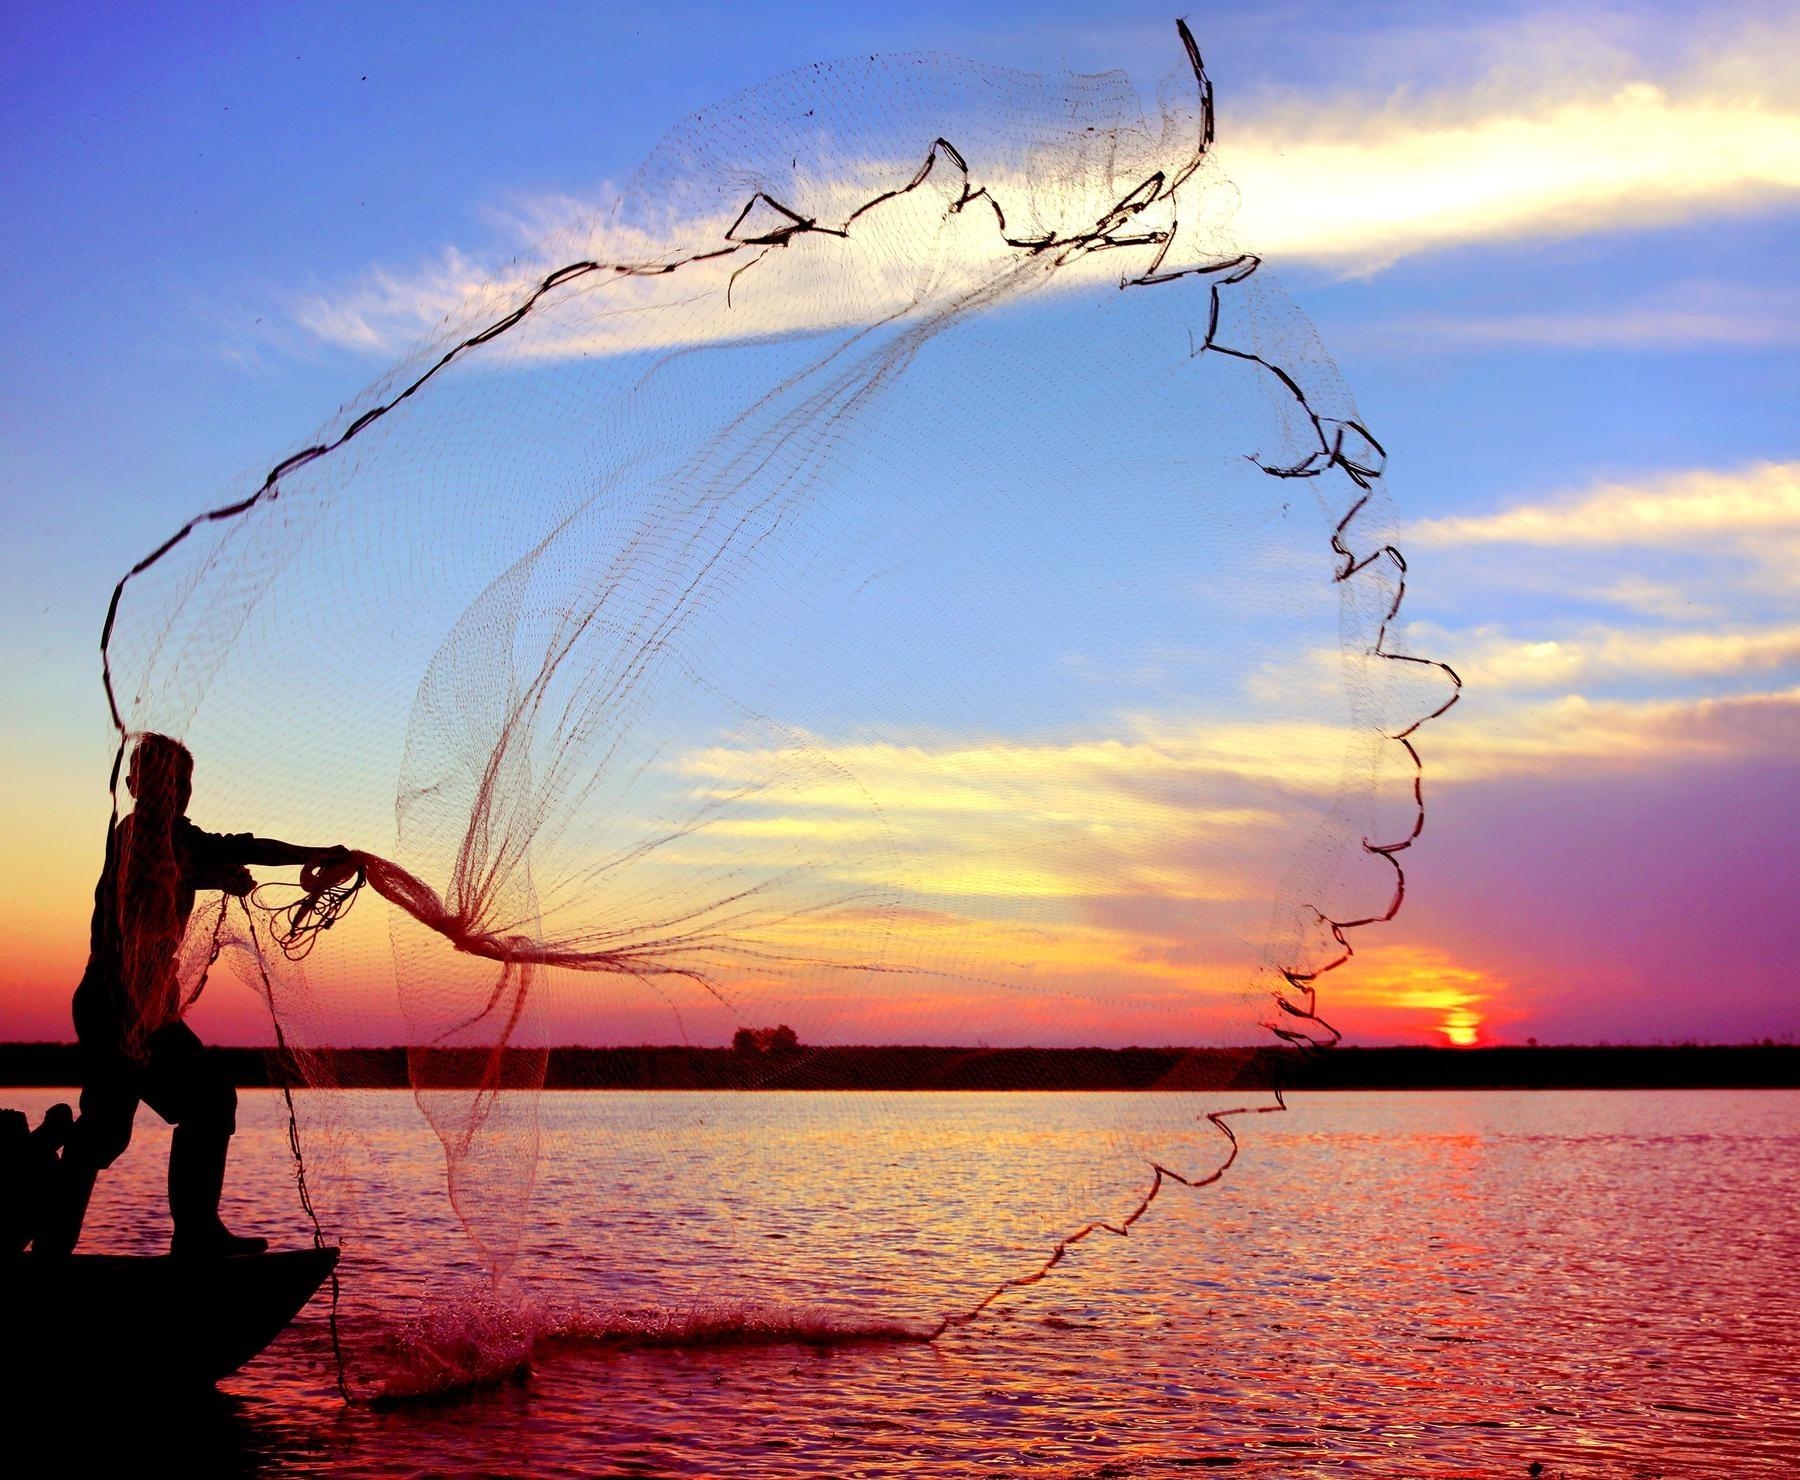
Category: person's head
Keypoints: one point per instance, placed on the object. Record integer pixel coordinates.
(161, 776)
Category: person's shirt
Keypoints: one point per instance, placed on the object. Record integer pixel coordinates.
(142, 904)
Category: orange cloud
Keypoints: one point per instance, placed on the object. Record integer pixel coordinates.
(1398, 990)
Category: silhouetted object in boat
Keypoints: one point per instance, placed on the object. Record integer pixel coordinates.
(128, 1006)
(28, 1163)
(128, 1324)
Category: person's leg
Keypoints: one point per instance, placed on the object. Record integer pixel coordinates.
(98, 1138)
(183, 1084)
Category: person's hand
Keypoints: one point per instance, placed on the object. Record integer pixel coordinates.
(236, 880)
(328, 868)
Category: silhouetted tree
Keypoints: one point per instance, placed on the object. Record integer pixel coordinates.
(781, 1040)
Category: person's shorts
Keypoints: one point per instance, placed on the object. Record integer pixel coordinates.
(178, 1079)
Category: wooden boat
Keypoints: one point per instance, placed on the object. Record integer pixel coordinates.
(105, 1320)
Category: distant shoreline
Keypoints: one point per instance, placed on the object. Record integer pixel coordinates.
(899, 1068)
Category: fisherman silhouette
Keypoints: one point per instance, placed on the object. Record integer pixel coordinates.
(127, 1009)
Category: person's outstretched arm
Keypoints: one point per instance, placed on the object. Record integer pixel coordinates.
(219, 860)
(272, 852)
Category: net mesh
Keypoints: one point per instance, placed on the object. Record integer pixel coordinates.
(902, 575)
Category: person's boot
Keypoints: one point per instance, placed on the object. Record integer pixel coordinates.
(196, 1182)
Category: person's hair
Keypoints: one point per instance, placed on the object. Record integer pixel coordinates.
(158, 765)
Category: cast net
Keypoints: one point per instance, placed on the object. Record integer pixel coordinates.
(901, 575)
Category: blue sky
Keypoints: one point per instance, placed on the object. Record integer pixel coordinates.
(223, 221)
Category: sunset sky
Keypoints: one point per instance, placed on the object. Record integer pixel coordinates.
(1552, 250)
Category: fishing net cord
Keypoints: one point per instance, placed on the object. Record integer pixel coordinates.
(303, 923)
(764, 225)
(284, 1058)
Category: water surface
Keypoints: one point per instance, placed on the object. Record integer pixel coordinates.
(1442, 1284)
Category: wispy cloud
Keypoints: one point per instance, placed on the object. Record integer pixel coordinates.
(1542, 125)
(1491, 660)
(1695, 315)
(1667, 679)
(1164, 769)
(1749, 505)
(1354, 182)
(388, 309)
(684, 281)
(1179, 811)
(1367, 186)
(1574, 731)
(1191, 847)
(1640, 594)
